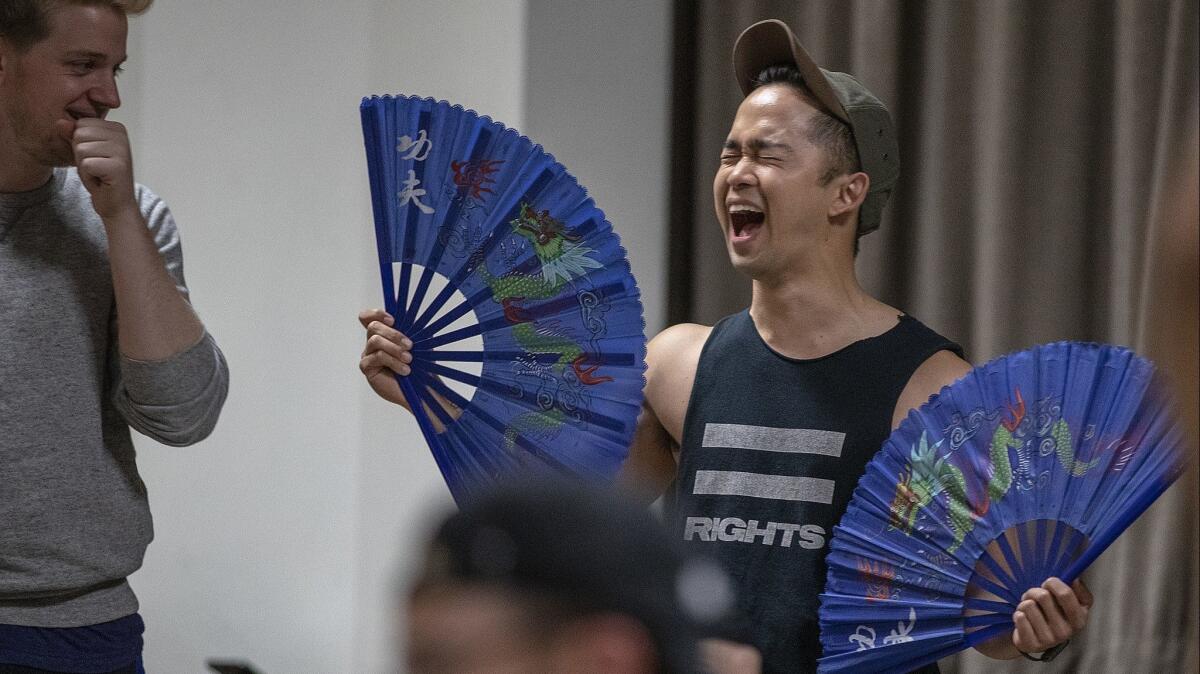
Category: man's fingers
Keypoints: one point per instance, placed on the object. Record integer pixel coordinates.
(1023, 636)
(96, 148)
(84, 136)
(1068, 603)
(379, 329)
(1056, 619)
(65, 128)
(97, 138)
(374, 363)
(92, 128)
(98, 167)
(386, 347)
(1081, 590)
(380, 343)
(1044, 638)
(367, 316)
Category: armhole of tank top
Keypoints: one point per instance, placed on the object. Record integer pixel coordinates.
(701, 378)
(934, 342)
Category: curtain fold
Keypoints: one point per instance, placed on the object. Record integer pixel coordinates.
(1045, 146)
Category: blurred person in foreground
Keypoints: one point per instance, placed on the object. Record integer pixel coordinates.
(562, 577)
(96, 336)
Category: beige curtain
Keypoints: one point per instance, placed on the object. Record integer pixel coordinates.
(1048, 153)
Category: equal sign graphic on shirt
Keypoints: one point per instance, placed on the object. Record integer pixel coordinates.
(768, 439)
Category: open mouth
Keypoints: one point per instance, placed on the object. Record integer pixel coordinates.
(745, 220)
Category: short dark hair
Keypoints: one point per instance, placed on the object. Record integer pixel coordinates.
(825, 131)
(24, 23)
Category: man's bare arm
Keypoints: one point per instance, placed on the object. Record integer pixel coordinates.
(941, 369)
(650, 466)
(671, 359)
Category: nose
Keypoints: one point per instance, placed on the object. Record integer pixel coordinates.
(742, 174)
(104, 94)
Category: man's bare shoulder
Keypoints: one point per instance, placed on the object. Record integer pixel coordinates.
(677, 343)
(671, 361)
(941, 369)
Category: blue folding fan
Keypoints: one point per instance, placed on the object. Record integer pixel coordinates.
(1027, 468)
(486, 241)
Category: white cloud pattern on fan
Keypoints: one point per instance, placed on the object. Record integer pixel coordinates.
(864, 636)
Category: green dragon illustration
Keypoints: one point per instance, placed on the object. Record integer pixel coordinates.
(563, 258)
(542, 424)
(929, 475)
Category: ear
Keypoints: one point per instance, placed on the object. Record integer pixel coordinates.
(851, 190)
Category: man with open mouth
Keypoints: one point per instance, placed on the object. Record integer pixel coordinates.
(765, 421)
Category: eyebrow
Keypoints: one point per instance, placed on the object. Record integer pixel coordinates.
(757, 145)
(88, 54)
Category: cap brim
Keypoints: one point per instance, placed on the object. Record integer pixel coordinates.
(771, 42)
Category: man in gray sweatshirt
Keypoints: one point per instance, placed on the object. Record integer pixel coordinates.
(96, 335)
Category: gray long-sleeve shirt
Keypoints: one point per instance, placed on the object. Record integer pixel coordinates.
(74, 517)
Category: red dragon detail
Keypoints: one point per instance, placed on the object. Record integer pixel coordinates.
(475, 174)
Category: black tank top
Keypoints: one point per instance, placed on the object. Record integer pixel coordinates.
(772, 450)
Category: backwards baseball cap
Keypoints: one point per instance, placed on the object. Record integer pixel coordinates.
(771, 42)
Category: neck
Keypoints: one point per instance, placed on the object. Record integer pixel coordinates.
(18, 171)
(23, 182)
(816, 311)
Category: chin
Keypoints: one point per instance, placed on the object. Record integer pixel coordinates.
(746, 266)
(56, 153)
(762, 268)
(54, 162)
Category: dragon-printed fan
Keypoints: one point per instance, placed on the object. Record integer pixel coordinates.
(1027, 468)
(526, 323)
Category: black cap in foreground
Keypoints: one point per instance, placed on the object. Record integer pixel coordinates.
(591, 549)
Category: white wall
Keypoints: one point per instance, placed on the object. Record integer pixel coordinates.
(599, 87)
(244, 122)
(470, 53)
(280, 539)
